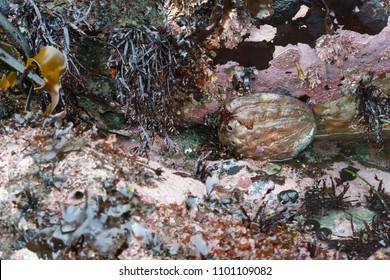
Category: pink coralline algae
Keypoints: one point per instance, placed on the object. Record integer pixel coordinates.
(336, 49)
(335, 60)
(232, 31)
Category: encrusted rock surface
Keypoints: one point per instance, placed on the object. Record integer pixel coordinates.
(72, 191)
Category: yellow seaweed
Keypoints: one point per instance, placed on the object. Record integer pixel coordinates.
(4, 83)
(52, 64)
(301, 74)
(8, 81)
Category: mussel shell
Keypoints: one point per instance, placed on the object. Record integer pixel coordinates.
(288, 197)
(324, 234)
(266, 126)
(311, 225)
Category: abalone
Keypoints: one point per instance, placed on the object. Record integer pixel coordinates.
(266, 126)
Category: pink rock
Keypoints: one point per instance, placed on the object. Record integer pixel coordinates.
(345, 55)
(264, 33)
(170, 188)
(23, 254)
(244, 182)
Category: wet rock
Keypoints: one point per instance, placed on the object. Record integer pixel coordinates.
(4, 7)
(6, 109)
(262, 9)
(114, 120)
(339, 222)
(285, 10)
(248, 54)
(230, 167)
(170, 188)
(372, 16)
(368, 17)
(24, 254)
(266, 126)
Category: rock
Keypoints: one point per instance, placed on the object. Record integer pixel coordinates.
(170, 188)
(4, 7)
(24, 254)
(332, 65)
(372, 16)
(285, 10)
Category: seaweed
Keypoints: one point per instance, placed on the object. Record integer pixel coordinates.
(96, 228)
(43, 26)
(366, 241)
(373, 109)
(322, 196)
(264, 219)
(145, 80)
(378, 198)
(155, 68)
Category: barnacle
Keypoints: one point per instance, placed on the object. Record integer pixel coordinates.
(336, 49)
(52, 64)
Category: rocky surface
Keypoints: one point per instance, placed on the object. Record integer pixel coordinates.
(51, 173)
(71, 189)
(325, 69)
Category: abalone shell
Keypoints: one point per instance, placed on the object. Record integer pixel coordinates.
(266, 126)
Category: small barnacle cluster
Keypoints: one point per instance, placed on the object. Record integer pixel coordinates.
(180, 8)
(194, 17)
(335, 49)
(223, 23)
(232, 29)
(315, 74)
